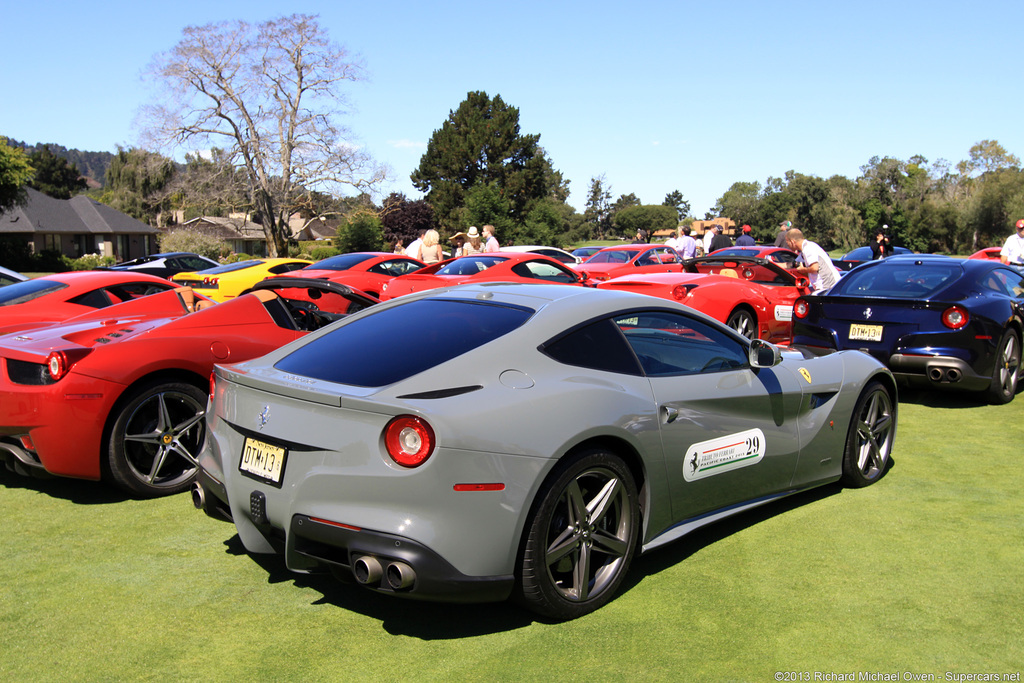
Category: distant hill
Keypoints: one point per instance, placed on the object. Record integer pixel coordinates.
(92, 165)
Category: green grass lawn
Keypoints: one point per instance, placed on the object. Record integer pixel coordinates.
(920, 573)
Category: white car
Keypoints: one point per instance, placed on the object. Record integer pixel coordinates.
(9, 277)
(551, 252)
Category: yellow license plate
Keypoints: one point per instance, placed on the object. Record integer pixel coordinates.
(866, 333)
(262, 460)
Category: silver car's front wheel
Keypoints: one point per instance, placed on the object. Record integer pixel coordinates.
(581, 536)
(869, 441)
(156, 438)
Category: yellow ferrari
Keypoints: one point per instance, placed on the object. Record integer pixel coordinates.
(228, 281)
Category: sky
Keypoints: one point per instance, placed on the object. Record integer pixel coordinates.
(650, 96)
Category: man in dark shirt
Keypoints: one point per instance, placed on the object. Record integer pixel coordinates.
(720, 241)
(745, 240)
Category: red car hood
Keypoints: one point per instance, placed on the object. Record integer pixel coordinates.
(414, 282)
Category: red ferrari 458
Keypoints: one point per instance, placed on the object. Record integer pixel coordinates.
(52, 298)
(367, 271)
(497, 266)
(121, 393)
(753, 296)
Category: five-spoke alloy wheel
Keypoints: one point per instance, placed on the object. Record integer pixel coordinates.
(580, 537)
(155, 440)
(869, 441)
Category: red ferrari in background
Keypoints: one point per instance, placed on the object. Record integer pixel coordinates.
(784, 257)
(367, 271)
(496, 266)
(751, 295)
(988, 253)
(630, 259)
(122, 392)
(52, 298)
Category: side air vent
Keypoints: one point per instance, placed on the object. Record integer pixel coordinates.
(444, 393)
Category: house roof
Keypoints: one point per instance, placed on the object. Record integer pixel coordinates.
(43, 214)
(226, 228)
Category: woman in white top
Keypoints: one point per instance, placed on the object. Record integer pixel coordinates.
(473, 244)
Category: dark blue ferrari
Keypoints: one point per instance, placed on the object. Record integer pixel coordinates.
(935, 321)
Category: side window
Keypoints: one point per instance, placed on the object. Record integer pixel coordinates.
(669, 344)
(539, 270)
(599, 346)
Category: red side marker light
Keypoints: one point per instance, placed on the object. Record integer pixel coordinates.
(479, 487)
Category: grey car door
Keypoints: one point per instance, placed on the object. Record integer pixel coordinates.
(729, 431)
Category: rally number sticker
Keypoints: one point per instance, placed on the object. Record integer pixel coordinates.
(724, 454)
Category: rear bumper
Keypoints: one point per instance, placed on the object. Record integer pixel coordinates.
(937, 372)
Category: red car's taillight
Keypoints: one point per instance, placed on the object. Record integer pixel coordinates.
(409, 440)
(59, 363)
(955, 317)
(801, 308)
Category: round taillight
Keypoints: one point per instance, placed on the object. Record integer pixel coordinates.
(955, 317)
(57, 364)
(801, 308)
(409, 440)
(679, 292)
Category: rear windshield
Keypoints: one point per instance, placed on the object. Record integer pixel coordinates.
(341, 262)
(231, 267)
(908, 280)
(20, 292)
(400, 342)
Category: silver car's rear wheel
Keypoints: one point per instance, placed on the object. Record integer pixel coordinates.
(155, 440)
(869, 441)
(581, 536)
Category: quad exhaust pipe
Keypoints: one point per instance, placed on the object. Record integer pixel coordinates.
(939, 374)
(369, 571)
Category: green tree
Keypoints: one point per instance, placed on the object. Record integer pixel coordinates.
(676, 201)
(186, 239)
(740, 203)
(270, 94)
(597, 212)
(480, 144)
(135, 182)
(362, 231)
(54, 175)
(15, 172)
(647, 217)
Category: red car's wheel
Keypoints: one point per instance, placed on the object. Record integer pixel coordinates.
(156, 438)
(743, 322)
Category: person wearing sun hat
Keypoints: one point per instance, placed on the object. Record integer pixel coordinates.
(745, 240)
(1012, 252)
(473, 244)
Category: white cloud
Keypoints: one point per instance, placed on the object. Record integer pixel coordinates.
(407, 144)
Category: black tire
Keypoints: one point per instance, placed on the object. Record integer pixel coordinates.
(156, 438)
(870, 437)
(743, 322)
(1006, 372)
(581, 536)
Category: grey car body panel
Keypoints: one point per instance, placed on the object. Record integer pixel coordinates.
(528, 412)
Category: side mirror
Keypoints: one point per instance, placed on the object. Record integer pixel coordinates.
(763, 354)
(802, 282)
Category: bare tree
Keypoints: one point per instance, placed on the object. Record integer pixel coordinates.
(269, 95)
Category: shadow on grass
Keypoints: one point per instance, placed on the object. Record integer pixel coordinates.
(944, 399)
(78, 491)
(445, 621)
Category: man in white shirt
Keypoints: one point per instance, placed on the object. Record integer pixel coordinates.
(1012, 252)
(818, 267)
